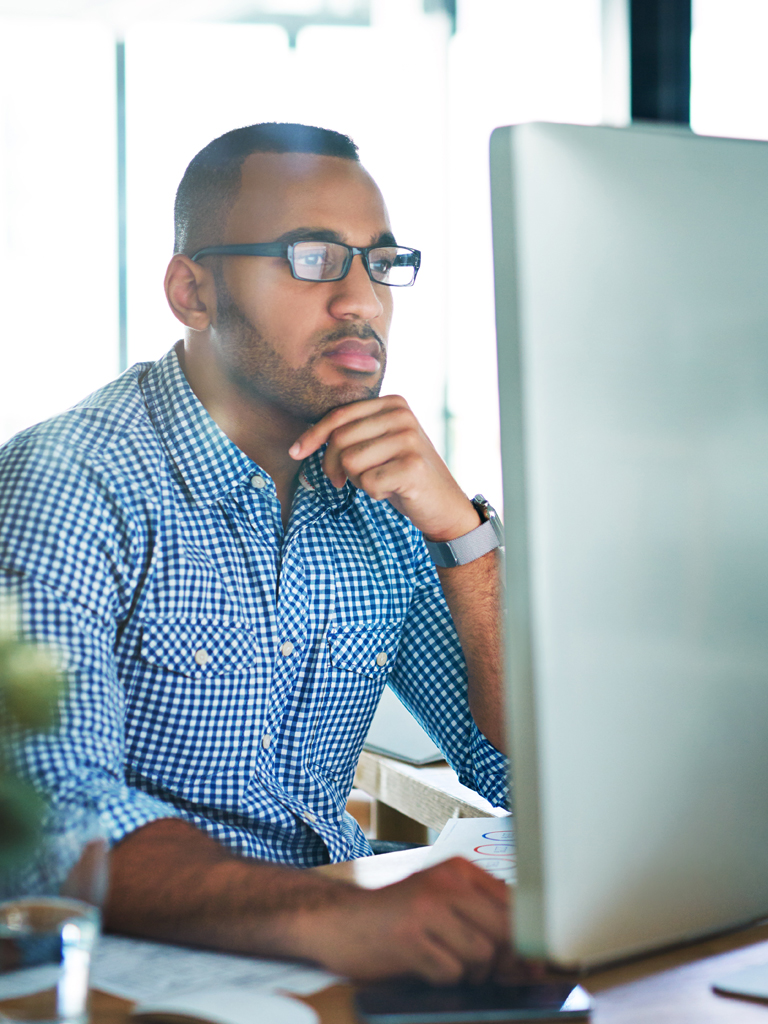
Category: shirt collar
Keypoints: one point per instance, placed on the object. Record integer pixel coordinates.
(209, 463)
(312, 478)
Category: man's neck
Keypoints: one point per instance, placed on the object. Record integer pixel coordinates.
(263, 432)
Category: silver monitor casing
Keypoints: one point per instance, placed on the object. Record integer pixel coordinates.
(632, 316)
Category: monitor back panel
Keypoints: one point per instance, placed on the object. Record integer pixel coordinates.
(632, 315)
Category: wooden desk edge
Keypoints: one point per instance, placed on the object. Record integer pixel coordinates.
(399, 786)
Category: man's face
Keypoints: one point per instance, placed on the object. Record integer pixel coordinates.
(302, 347)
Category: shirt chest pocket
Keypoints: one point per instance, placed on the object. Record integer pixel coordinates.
(196, 704)
(199, 649)
(360, 660)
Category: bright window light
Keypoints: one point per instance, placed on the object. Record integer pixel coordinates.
(230, 75)
(510, 61)
(58, 216)
(729, 69)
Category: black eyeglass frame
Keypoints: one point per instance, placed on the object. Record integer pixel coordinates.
(285, 250)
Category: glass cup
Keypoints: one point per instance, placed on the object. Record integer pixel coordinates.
(49, 922)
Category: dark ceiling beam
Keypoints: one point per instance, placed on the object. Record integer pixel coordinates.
(660, 48)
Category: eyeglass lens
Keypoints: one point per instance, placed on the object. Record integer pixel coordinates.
(324, 261)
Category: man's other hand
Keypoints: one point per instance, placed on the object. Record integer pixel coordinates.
(446, 924)
(380, 446)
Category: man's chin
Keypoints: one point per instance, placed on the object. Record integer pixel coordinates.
(330, 398)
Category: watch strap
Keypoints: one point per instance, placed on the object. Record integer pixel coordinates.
(478, 542)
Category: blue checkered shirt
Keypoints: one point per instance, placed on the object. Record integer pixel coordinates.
(221, 669)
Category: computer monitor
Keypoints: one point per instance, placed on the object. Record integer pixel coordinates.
(631, 272)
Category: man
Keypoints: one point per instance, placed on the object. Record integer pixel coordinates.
(229, 546)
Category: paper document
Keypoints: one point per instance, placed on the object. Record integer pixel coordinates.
(488, 842)
(152, 971)
(230, 1006)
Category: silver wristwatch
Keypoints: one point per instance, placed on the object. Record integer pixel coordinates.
(484, 538)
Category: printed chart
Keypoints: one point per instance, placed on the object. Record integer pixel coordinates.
(488, 842)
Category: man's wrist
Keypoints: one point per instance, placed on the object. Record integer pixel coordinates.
(460, 527)
(469, 546)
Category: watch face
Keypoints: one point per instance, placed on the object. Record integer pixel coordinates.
(489, 514)
(485, 510)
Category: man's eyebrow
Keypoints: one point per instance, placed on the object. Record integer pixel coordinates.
(310, 235)
(327, 235)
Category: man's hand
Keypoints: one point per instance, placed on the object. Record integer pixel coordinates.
(380, 446)
(446, 924)
(170, 881)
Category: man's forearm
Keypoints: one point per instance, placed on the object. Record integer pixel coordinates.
(474, 595)
(170, 881)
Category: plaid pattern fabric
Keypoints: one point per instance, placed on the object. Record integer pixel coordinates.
(222, 670)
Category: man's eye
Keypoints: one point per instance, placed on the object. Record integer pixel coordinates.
(382, 265)
(315, 258)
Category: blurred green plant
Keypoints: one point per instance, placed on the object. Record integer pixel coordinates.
(30, 685)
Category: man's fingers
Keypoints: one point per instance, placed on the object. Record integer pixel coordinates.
(352, 463)
(449, 951)
(474, 948)
(487, 903)
(431, 960)
(321, 431)
(348, 444)
(464, 914)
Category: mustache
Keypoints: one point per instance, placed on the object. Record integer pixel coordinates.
(351, 330)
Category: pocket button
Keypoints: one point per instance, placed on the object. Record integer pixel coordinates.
(202, 657)
(381, 659)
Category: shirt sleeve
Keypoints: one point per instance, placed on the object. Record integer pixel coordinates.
(430, 677)
(66, 559)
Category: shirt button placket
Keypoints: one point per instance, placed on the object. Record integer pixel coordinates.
(286, 650)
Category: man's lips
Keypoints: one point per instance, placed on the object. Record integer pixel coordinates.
(355, 354)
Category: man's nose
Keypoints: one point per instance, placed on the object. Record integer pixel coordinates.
(354, 297)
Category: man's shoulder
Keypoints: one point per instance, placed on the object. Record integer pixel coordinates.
(101, 454)
(105, 426)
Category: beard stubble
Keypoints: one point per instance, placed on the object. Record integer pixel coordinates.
(258, 369)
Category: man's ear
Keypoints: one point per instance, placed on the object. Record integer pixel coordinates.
(191, 293)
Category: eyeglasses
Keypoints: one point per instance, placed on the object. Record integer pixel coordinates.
(393, 265)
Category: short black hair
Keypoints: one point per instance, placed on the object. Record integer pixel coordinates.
(211, 182)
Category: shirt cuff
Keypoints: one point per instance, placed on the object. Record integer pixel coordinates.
(120, 808)
(489, 770)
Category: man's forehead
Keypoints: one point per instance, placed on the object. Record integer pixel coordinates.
(283, 191)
